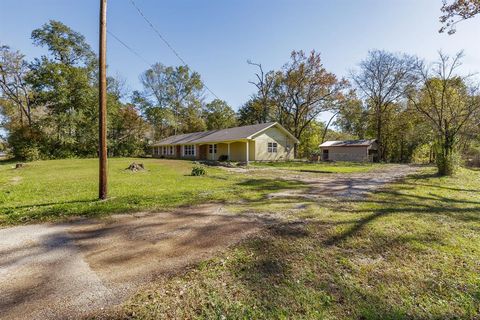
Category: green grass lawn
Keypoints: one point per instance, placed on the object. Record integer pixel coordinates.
(409, 251)
(327, 167)
(55, 189)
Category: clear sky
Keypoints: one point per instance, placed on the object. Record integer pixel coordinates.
(216, 37)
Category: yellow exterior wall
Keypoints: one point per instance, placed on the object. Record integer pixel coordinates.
(237, 151)
(257, 148)
(283, 141)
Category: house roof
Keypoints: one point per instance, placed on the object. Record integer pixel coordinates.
(348, 143)
(231, 134)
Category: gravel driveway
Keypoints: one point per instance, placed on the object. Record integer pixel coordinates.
(69, 270)
(66, 271)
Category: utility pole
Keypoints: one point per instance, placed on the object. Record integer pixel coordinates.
(102, 99)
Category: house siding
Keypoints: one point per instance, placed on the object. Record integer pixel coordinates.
(284, 145)
(359, 154)
(257, 147)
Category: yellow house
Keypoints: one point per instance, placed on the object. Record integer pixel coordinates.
(258, 142)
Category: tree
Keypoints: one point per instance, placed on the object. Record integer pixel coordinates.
(13, 87)
(265, 85)
(127, 131)
(383, 78)
(348, 102)
(353, 118)
(67, 46)
(251, 113)
(457, 11)
(219, 115)
(174, 90)
(304, 90)
(448, 103)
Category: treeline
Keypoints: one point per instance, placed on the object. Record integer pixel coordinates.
(49, 106)
(417, 111)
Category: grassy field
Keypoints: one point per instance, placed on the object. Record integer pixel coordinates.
(326, 167)
(410, 251)
(50, 190)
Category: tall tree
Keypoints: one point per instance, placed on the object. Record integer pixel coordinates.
(383, 78)
(219, 115)
(457, 11)
(127, 132)
(304, 90)
(448, 103)
(64, 44)
(13, 87)
(177, 90)
(353, 118)
(252, 113)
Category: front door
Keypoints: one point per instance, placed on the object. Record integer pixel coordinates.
(179, 152)
(203, 152)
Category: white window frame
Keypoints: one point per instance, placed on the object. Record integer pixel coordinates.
(189, 150)
(272, 147)
(212, 147)
(170, 150)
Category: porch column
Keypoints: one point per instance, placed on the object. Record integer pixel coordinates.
(228, 151)
(247, 146)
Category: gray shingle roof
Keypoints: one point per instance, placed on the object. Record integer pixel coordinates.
(348, 143)
(230, 134)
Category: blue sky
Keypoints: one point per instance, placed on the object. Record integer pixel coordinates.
(217, 37)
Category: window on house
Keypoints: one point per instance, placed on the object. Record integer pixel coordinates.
(189, 150)
(272, 147)
(212, 148)
(171, 150)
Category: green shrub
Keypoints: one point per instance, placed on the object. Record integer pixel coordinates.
(28, 153)
(198, 171)
(447, 165)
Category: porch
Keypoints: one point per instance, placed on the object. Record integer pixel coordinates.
(232, 151)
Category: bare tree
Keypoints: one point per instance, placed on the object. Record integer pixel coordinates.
(13, 87)
(383, 78)
(448, 102)
(264, 84)
(457, 11)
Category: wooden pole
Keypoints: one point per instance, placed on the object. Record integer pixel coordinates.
(102, 190)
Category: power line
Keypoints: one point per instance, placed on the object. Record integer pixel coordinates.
(129, 48)
(167, 43)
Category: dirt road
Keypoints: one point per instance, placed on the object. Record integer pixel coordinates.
(65, 271)
(344, 186)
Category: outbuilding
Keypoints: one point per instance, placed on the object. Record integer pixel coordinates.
(350, 150)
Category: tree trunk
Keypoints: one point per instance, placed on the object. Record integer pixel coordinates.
(326, 127)
(381, 148)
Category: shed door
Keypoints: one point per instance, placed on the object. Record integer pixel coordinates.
(325, 154)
